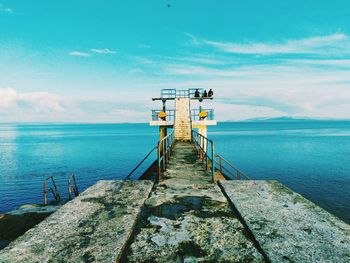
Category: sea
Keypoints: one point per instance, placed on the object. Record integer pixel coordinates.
(310, 157)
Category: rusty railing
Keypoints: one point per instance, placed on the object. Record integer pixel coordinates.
(226, 168)
(74, 188)
(205, 149)
(165, 147)
(53, 190)
(137, 166)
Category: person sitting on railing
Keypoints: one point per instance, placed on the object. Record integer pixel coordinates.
(210, 93)
(196, 93)
(205, 94)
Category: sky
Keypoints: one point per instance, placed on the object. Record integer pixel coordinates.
(103, 61)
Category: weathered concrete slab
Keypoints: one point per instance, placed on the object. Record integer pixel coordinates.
(15, 223)
(189, 220)
(94, 227)
(288, 227)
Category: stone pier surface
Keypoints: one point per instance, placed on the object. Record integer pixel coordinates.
(94, 227)
(185, 218)
(288, 227)
(188, 219)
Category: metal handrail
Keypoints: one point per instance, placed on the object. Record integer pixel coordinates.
(137, 166)
(53, 190)
(182, 93)
(165, 147)
(237, 173)
(170, 115)
(168, 93)
(205, 149)
(195, 114)
(188, 93)
(72, 188)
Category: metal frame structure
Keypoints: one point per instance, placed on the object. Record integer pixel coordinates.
(53, 190)
(165, 147)
(71, 188)
(137, 166)
(226, 168)
(205, 149)
(195, 114)
(171, 94)
(170, 115)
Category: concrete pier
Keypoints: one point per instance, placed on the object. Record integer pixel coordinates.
(185, 218)
(94, 227)
(288, 227)
(188, 219)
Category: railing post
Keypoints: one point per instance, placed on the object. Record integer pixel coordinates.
(76, 190)
(69, 189)
(45, 198)
(206, 160)
(202, 150)
(163, 155)
(220, 164)
(159, 161)
(212, 162)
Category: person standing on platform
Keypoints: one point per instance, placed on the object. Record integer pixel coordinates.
(205, 94)
(196, 93)
(210, 93)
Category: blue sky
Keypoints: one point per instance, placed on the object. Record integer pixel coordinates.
(102, 61)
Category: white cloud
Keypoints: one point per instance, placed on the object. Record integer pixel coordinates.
(79, 54)
(7, 97)
(103, 51)
(49, 107)
(319, 62)
(5, 9)
(193, 39)
(336, 43)
(37, 101)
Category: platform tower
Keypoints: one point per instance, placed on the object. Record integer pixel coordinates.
(185, 115)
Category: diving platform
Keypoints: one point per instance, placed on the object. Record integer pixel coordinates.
(190, 205)
(185, 116)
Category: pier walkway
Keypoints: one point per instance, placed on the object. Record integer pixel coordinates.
(185, 218)
(188, 219)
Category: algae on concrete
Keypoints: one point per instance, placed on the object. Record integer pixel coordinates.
(93, 227)
(289, 227)
(188, 219)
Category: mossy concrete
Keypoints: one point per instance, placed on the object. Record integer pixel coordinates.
(185, 218)
(188, 219)
(288, 227)
(15, 223)
(94, 227)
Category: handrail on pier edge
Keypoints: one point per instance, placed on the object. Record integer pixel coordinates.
(206, 152)
(223, 169)
(201, 142)
(165, 147)
(137, 166)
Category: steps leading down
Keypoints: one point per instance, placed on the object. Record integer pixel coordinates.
(182, 126)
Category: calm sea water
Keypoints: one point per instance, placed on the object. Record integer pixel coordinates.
(312, 158)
